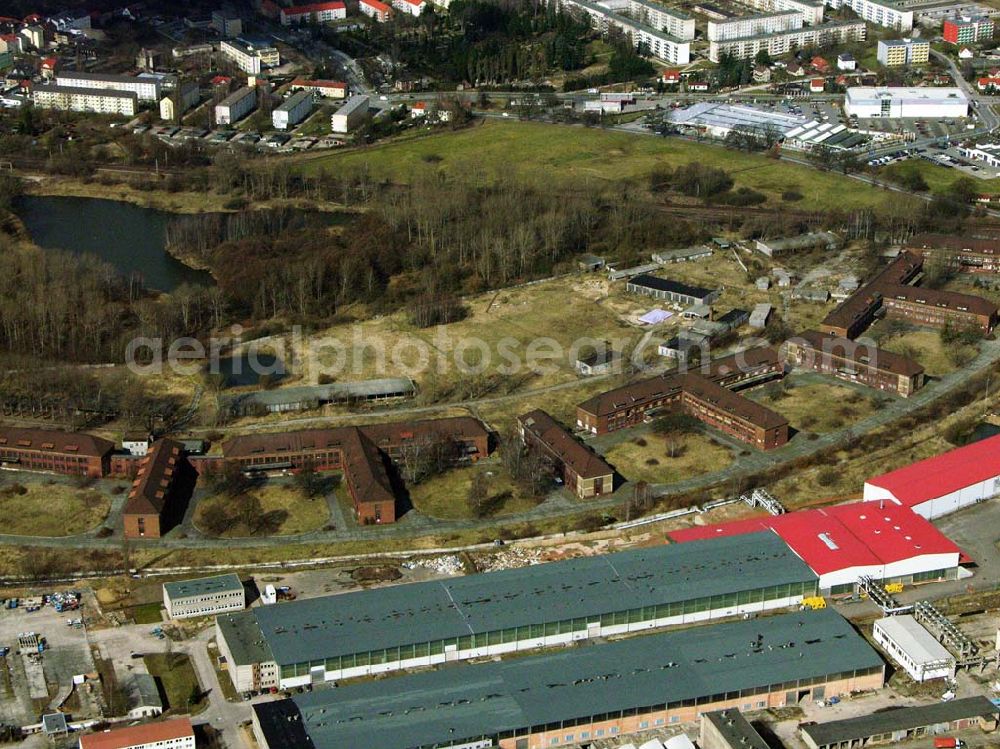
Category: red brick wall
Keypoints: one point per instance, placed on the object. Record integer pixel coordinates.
(151, 525)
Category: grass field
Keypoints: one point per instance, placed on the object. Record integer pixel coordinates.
(147, 613)
(292, 512)
(938, 178)
(444, 496)
(176, 674)
(548, 155)
(926, 347)
(815, 407)
(50, 509)
(647, 458)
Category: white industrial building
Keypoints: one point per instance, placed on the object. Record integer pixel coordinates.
(879, 12)
(782, 42)
(250, 57)
(764, 23)
(910, 103)
(942, 484)
(75, 99)
(206, 596)
(910, 645)
(349, 116)
(292, 110)
(236, 106)
(145, 88)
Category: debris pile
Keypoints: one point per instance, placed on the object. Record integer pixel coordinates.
(446, 565)
(508, 558)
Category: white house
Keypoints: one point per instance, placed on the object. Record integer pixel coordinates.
(314, 13)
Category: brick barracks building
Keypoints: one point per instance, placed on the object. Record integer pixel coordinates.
(854, 362)
(71, 453)
(704, 393)
(961, 254)
(937, 309)
(853, 316)
(581, 469)
(361, 453)
(156, 500)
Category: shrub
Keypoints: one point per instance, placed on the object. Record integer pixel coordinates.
(791, 196)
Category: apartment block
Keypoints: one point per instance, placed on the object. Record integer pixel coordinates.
(967, 29)
(236, 106)
(73, 99)
(612, 15)
(937, 309)
(145, 89)
(962, 254)
(879, 12)
(313, 13)
(249, 56)
(812, 10)
(894, 53)
(743, 26)
(673, 22)
(783, 42)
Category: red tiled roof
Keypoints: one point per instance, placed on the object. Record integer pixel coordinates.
(154, 479)
(146, 733)
(301, 10)
(942, 474)
(379, 6)
(54, 441)
(320, 83)
(583, 461)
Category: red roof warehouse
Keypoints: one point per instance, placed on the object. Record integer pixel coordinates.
(944, 483)
(844, 542)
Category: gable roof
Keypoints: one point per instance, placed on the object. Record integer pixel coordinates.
(583, 461)
(54, 441)
(860, 353)
(154, 478)
(146, 733)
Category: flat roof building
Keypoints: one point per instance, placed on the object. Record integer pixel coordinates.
(728, 729)
(236, 106)
(206, 596)
(899, 102)
(671, 291)
(350, 115)
(895, 726)
(894, 53)
(145, 88)
(77, 99)
(825, 240)
(420, 624)
(252, 57)
(584, 693)
(292, 110)
(906, 642)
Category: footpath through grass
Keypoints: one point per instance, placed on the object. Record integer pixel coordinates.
(563, 155)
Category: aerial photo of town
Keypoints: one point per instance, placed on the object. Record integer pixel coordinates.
(500, 374)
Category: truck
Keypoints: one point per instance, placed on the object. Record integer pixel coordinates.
(947, 742)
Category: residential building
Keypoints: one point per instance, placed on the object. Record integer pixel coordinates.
(326, 89)
(895, 726)
(176, 733)
(56, 451)
(728, 729)
(361, 452)
(846, 61)
(375, 9)
(844, 543)
(939, 309)
(811, 10)
(409, 7)
(662, 45)
(823, 240)
(78, 20)
(853, 316)
(154, 503)
(910, 645)
(292, 110)
(967, 29)
(185, 96)
(782, 42)
(670, 21)
(136, 443)
(886, 13)
(753, 25)
(353, 113)
(894, 53)
(733, 414)
(389, 629)
(71, 99)
(11, 44)
(631, 404)
(911, 103)
(227, 23)
(964, 254)
(34, 37)
(145, 88)
(206, 596)
(236, 106)
(944, 483)
(854, 362)
(581, 470)
(323, 12)
(252, 57)
(671, 291)
(581, 694)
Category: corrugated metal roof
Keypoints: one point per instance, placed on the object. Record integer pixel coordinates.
(470, 701)
(318, 628)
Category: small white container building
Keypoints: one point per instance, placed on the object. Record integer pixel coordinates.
(914, 648)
